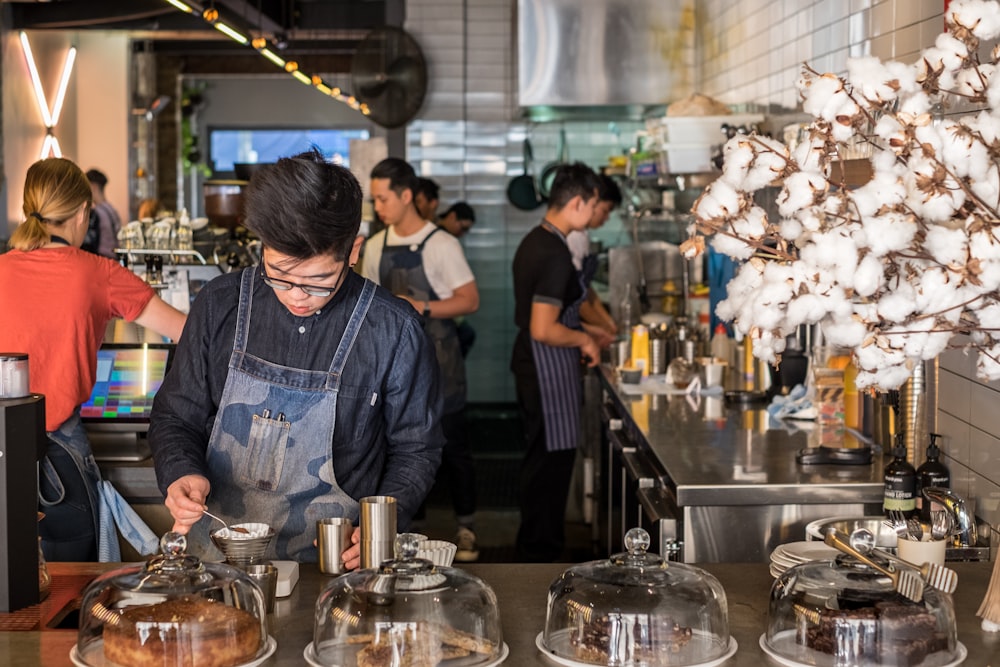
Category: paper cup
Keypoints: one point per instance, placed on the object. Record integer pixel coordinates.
(918, 553)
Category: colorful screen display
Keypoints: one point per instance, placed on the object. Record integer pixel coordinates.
(127, 380)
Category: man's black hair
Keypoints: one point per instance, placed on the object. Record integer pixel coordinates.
(462, 211)
(572, 180)
(428, 188)
(609, 191)
(97, 178)
(304, 206)
(400, 174)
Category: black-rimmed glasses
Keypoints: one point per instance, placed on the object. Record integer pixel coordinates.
(311, 290)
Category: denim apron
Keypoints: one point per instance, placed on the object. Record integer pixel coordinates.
(558, 371)
(270, 454)
(108, 510)
(403, 265)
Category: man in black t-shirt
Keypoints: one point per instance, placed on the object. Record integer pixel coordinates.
(550, 346)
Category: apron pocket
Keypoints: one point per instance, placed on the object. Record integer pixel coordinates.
(265, 453)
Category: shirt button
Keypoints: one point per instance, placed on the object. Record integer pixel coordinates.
(302, 329)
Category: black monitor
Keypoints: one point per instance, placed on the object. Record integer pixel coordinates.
(117, 414)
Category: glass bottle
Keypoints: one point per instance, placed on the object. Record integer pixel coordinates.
(626, 316)
(931, 473)
(683, 369)
(900, 481)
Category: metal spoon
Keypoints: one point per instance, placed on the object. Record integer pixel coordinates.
(235, 529)
(941, 525)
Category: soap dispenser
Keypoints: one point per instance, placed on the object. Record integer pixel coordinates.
(931, 473)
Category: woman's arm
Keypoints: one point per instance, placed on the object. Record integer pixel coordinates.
(162, 318)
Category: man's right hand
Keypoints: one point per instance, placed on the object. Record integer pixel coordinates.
(186, 501)
(590, 351)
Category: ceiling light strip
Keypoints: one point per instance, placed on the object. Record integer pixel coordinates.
(36, 82)
(261, 46)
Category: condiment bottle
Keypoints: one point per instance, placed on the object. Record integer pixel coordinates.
(900, 481)
(931, 473)
(720, 345)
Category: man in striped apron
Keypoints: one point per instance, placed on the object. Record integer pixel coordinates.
(550, 351)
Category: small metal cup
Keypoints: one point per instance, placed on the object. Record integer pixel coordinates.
(333, 537)
(265, 575)
(378, 530)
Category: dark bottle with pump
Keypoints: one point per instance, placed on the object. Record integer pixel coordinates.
(931, 473)
(900, 482)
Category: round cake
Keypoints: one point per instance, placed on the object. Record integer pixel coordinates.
(188, 631)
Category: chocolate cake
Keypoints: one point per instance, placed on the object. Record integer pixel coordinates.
(654, 639)
(189, 631)
(893, 634)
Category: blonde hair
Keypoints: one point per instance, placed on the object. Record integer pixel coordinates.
(54, 190)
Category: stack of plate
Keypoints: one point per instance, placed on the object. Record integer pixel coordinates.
(794, 553)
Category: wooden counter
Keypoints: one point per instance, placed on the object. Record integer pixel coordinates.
(521, 593)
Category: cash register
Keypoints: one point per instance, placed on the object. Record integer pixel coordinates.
(116, 416)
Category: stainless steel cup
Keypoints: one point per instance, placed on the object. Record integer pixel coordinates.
(333, 537)
(378, 530)
(265, 575)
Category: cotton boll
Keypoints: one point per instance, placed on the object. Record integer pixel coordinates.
(940, 206)
(790, 229)
(811, 153)
(896, 306)
(953, 51)
(805, 309)
(904, 75)
(720, 200)
(872, 357)
(947, 246)
(820, 91)
(737, 155)
(978, 15)
(886, 377)
(801, 190)
(890, 232)
(987, 364)
(844, 333)
(735, 248)
(751, 225)
(891, 132)
(868, 277)
(871, 78)
(914, 106)
(884, 189)
(974, 81)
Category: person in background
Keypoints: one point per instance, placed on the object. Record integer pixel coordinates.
(549, 350)
(46, 273)
(592, 311)
(458, 219)
(102, 238)
(425, 266)
(425, 198)
(148, 208)
(299, 387)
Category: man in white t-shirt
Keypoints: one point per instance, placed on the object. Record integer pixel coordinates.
(418, 261)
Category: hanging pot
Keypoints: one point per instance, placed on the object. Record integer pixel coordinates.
(522, 191)
(549, 170)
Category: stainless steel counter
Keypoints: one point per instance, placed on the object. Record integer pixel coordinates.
(521, 594)
(734, 474)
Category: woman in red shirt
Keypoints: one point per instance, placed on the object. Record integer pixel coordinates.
(57, 301)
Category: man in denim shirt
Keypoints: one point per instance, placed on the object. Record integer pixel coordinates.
(300, 387)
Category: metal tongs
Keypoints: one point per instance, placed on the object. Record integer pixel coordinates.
(905, 581)
(936, 576)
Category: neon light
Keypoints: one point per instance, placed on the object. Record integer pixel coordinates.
(181, 6)
(273, 57)
(36, 82)
(323, 88)
(63, 84)
(50, 145)
(229, 32)
(302, 77)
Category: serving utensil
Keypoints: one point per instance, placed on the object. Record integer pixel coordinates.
(235, 529)
(906, 582)
(896, 522)
(936, 576)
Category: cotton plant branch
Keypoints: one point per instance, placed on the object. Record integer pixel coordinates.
(894, 268)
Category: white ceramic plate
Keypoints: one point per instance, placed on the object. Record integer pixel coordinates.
(730, 652)
(310, 655)
(825, 660)
(99, 661)
(806, 551)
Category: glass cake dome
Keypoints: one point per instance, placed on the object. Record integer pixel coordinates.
(636, 609)
(169, 609)
(840, 613)
(407, 611)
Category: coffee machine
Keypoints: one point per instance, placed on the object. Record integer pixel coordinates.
(22, 445)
